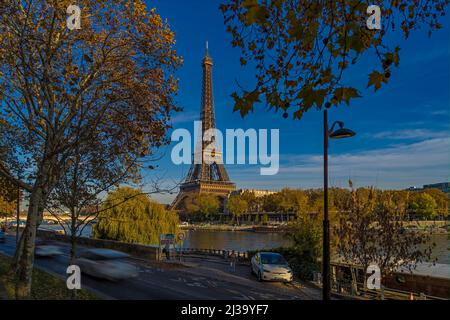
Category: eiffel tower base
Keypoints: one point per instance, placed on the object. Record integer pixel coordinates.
(219, 188)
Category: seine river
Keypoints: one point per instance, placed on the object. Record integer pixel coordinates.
(244, 240)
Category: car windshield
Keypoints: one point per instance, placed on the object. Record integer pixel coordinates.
(272, 259)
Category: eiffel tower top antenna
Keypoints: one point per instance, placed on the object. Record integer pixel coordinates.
(207, 48)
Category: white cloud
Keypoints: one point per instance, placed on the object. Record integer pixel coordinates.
(183, 117)
(396, 167)
(409, 134)
(439, 112)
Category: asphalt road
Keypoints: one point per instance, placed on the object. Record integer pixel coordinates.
(157, 281)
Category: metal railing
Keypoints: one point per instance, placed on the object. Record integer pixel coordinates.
(240, 255)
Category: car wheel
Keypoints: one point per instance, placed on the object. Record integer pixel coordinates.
(259, 276)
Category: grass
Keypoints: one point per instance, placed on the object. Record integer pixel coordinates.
(44, 286)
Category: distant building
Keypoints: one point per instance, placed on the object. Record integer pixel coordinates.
(443, 186)
(414, 188)
(257, 193)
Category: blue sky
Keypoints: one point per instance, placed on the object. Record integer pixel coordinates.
(402, 129)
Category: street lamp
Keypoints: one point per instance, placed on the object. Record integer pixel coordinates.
(338, 134)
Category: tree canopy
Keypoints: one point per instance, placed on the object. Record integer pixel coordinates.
(202, 205)
(8, 197)
(237, 206)
(372, 231)
(301, 49)
(130, 216)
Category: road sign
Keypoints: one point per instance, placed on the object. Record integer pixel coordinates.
(167, 238)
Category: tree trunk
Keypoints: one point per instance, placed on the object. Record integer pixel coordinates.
(73, 248)
(25, 251)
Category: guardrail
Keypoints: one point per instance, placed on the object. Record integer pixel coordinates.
(240, 255)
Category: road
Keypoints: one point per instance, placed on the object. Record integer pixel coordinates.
(188, 281)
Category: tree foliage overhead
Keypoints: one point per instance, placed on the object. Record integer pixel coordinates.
(302, 48)
(130, 216)
(109, 82)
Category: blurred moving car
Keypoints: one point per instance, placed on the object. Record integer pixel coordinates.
(2, 236)
(47, 249)
(271, 266)
(106, 264)
(13, 224)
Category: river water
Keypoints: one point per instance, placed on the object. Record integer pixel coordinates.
(243, 241)
(246, 241)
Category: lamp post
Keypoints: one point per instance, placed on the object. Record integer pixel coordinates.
(338, 134)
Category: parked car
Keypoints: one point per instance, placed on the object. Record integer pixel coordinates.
(2, 236)
(47, 249)
(271, 266)
(106, 264)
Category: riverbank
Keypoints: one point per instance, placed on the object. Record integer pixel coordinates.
(436, 227)
(226, 227)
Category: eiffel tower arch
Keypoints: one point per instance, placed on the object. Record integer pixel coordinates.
(207, 176)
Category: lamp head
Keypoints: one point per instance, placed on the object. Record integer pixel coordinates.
(342, 133)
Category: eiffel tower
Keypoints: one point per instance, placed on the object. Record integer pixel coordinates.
(207, 176)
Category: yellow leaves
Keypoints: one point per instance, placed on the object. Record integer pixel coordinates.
(375, 79)
(255, 13)
(245, 103)
(345, 94)
(310, 97)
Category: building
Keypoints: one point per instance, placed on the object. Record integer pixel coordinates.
(257, 193)
(443, 186)
(208, 176)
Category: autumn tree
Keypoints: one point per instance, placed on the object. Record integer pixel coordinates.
(8, 197)
(108, 83)
(252, 201)
(130, 216)
(237, 206)
(301, 49)
(305, 233)
(441, 198)
(424, 205)
(202, 205)
(372, 232)
(77, 191)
